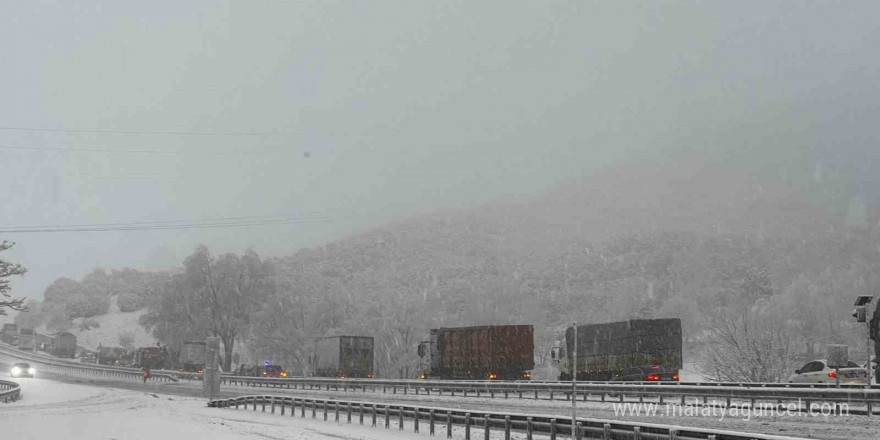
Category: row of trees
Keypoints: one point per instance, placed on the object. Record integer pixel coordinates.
(748, 306)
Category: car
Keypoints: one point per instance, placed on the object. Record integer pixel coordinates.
(819, 371)
(648, 373)
(22, 370)
(270, 371)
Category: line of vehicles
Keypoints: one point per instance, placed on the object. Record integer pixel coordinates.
(26, 339)
(633, 350)
(646, 349)
(190, 358)
(636, 350)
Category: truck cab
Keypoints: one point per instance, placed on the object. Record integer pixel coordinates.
(561, 362)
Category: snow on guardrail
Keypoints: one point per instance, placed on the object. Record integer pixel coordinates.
(60, 366)
(9, 391)
(552, 426)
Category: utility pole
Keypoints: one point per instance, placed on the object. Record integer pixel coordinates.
(574, 352)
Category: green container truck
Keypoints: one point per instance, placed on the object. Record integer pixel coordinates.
(634, 350)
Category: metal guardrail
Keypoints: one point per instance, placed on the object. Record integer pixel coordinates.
(38, 356)
(9, 391)
(469, 420)
(70, 367)
(597, 391)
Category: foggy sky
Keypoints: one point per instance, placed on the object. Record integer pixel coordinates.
(404, 106)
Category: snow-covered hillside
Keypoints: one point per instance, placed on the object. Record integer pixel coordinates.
(111, 325)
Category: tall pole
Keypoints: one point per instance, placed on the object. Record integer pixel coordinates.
(574, 352)
(868, 351)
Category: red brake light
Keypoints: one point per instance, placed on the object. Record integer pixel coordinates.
(653, 377)
(675, 376)
(342, 375)
(832, 374)
(369, 375)
(527, 375)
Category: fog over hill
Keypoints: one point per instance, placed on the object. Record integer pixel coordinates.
(698, 240)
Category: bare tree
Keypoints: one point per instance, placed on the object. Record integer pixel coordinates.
(752, 347)
(7, 270)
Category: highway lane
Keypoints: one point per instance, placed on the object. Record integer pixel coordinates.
(831, 427)
(64, 409)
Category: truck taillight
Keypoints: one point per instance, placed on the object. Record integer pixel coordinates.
(653, 377)
(370, 376)
(527, 375)
(832, 374)
(675, 376)
(341, 375)
(493, 376)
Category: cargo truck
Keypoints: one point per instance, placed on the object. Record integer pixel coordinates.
(26, 340)
(116, 356)
(154, 358)
(192, 357)
(634, 350)
(492, 352)
(64, 345)
(9, 334)
(343, 356)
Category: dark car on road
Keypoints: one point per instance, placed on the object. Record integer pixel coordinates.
(270, 371)
(22, 370)
(648, 373)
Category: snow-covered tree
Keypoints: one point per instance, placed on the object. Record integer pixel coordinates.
(215, 296)
(7, 270)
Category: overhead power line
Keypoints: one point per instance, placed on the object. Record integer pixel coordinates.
(140, 151)
(149, 132)
(224, 222)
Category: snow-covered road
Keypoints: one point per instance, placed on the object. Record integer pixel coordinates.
(130, 407)
(56, 410)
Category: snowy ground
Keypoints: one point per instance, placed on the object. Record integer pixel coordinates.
(56, 410)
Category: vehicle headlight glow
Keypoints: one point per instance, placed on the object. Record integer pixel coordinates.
(16, 371)
(32, 371)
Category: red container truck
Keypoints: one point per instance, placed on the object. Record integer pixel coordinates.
(491, 352)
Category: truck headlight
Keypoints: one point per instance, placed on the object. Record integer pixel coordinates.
(32, 371)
